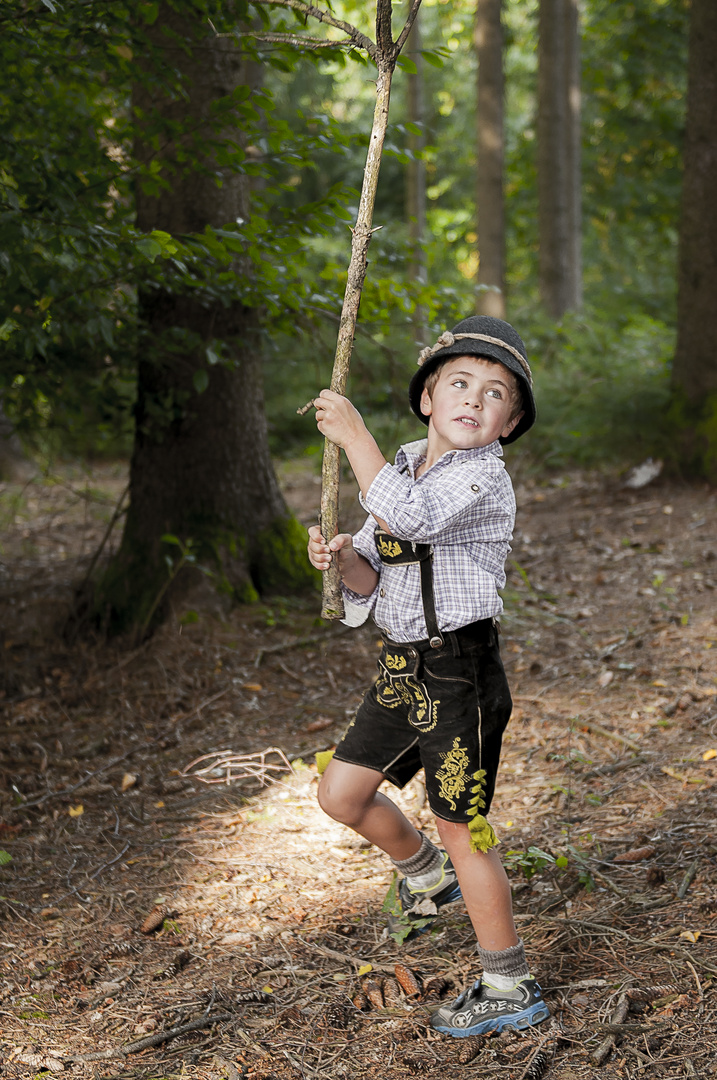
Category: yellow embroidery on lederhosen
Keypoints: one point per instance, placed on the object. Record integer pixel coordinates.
(453, 776)
(394, 690)
(389, 548)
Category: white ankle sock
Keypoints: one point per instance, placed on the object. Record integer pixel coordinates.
(418, 882)
(501, 982)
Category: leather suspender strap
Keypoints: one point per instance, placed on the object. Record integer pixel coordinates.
(429, 606)
(395, 552)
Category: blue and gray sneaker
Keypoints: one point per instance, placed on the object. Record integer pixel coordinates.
(482, 1009)
(412, 911)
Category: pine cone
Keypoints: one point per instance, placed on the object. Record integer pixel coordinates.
(373, 992)
(253, 997)
(537, 1066)
(651, 993)
(470, 1048)
(181, 959)
(416, 1063)
(361, 1001)
(407, 981)
(154, 920)
(391, 993)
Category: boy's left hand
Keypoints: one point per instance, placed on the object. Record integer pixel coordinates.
(338, 419)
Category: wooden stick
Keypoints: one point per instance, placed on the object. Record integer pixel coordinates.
(152, 1040)
(385, 57)
(618, 1017)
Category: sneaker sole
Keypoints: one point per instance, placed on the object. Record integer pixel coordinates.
(516, 1022)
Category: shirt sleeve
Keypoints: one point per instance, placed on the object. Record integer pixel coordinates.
(357, 605)
(423, 511)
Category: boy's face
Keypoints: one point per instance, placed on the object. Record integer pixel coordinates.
(471, 405)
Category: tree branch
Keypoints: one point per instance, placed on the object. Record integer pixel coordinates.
(410, 20)
(291, 39)
(352, 32)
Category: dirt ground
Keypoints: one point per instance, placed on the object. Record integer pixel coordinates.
(154, 924)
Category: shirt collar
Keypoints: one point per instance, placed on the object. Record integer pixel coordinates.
(413, 453)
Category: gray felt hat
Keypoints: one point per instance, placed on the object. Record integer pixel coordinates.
(494, 339)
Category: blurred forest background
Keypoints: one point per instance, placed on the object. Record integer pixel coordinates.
(177, 185)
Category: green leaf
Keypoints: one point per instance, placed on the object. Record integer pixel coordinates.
(170, 538)
(5, 857)
(149, 248)
(407, 65)
(7, 329)
(432, 58)
(200, 378)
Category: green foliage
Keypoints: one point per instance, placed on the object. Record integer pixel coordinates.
(5, 857)
(530, 862)
(72, 261)
(602, 388)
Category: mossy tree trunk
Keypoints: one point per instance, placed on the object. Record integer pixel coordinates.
(200, 469)
(694, 373)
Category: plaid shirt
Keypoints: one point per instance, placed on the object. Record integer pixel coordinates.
(464, 507)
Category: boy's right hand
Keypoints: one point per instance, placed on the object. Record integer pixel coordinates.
(321, 553)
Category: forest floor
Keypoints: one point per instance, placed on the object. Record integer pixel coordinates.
(267, 916)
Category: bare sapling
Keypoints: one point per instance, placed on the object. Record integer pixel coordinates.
(384, 52)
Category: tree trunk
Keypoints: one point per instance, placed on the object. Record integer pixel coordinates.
(416, 181)
(201, 469)
(694, 373)
(490, 298)
(559, 156)
(574, 147)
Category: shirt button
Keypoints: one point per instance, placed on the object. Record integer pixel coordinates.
(381, 592)
(474, 487)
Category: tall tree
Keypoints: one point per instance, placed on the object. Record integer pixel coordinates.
(694, 373)
(559, 216)
(200, 471)
(490, 298)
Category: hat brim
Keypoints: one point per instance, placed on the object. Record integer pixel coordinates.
(488, 351)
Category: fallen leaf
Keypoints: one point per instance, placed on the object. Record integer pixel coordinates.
(691, 935)
(365, 968)
(606, 678)
(320, 724)
(128, 781)
(659, 682)
(267, 989)
(709, 755)
(76, 811)
(252, 686)
(158, 805)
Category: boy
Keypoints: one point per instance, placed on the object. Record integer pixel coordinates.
(429, 561)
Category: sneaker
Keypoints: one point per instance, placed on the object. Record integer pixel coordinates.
(413, 911)
(482, 1009)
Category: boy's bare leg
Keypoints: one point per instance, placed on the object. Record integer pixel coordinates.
(349, 794)
(485, 887)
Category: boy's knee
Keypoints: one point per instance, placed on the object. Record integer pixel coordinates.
(455, 837)
(338, 804)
